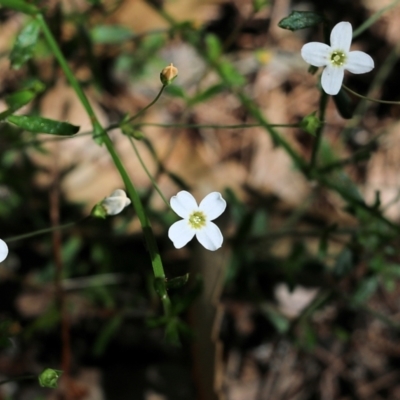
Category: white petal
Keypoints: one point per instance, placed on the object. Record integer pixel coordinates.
(118, 193)
(127, 202)
(210, 237)
(183, 204)
(316, 53)
(213, 205)
(332, 78)
(180, 233)
(3, 250)
(341, 36)
(114, 205)
(359, 62)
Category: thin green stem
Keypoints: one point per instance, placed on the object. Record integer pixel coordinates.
(23, 144)
(158, 269)
(69, 74)
(323, 101)
(40, 232)
(142, 110)
(369, 98)
(154, 183)
(215, 126)
(276, 137)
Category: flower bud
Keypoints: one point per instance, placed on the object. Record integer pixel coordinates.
(168, 74)
(111, 205)
(49, 378)
(310, 123)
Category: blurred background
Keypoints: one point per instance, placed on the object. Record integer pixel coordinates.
(301, 303)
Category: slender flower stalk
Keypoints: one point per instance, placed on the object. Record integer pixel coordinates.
(101, 134)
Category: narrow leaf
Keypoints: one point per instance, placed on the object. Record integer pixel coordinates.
(300, 20)
(175, 91)
(25, 44)
(43, 125)
(207, 94)
(20, 5)
(18, 99)
(213, 46)
(110, 34)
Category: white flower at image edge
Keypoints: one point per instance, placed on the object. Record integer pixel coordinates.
(197, 220)
(336, 58)
(3, 250)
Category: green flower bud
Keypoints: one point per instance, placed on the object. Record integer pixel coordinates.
(168, 74)
(49, 378)
(99, 211)
(310, 123)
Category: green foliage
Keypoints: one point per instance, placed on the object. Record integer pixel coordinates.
(43, 125)
(213, 47)
(300, 20)
(110, 34)
(25, 44)
(350, 261)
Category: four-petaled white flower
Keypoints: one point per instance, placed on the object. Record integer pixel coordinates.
(336, 58)
(197, 220)
(3, 250)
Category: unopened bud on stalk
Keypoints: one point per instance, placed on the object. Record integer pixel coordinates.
(168, 74)
(49, 378)
(111, 205)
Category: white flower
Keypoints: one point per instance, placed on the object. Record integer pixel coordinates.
(336, 58)
(116, 202)
(3, 250)
(197, 220)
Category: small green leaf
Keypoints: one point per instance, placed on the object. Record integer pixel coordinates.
(207, 94)
(175, 91)
(344, 263)
(213, 46)
(18, 99)
(300, 20)
(365, 290)
(129, 129)
(110, 34)
(280, 322)
(25, 44)
(231, 75)
(178, 282)
(43, 125)
(344, 104)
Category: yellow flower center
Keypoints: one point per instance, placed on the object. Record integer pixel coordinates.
(338, 58)
(197, 220)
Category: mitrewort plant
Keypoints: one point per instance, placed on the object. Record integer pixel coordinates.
(372, 239)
